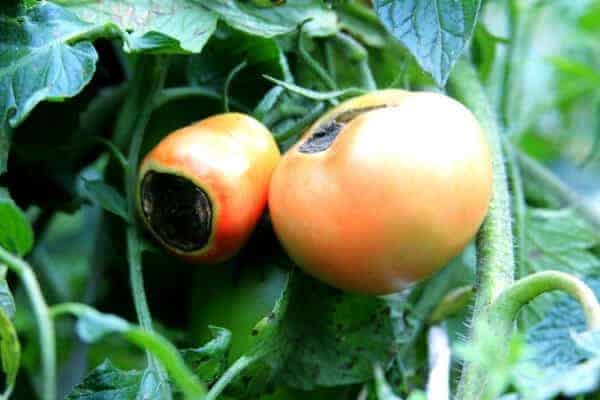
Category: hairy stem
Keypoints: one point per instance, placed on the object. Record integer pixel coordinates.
(145, 88)
(359, 55)
(42, 315)
(162, 349)
(234, 370)
(512, 23)
(526, 289)
(179, 93)
(518, 204)
(495, 261)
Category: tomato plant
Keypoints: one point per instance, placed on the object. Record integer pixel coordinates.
(444, 154)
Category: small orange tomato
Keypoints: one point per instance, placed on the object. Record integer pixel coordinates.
(202, 189)
(383, 190)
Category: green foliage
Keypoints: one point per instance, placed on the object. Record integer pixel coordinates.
(435, 33)
(108, 381)
(40, 62)
(16, 234)
(81, 86)
(166, 26)
(556, 240)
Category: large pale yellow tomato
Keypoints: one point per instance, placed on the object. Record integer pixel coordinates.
(203, 188)
(383, 190)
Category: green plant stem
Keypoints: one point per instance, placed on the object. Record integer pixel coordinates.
(495, 261)
(531, 169)
(162, 349)
(228, 81)
(179, 93)
(302, 123)
(45, 324)
(358, 54)
(506, 92)
(234, 370)
(314, 66)
(169, 356)
(146, 86)
(518, 207)
(526, 289)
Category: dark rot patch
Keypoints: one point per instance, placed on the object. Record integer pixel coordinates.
(178, 211)
(325, 134)
(322, 138)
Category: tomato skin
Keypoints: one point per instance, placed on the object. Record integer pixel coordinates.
(231, 157)
(401, 190)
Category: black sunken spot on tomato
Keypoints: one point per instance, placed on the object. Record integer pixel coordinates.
(178, 211)
(326, 133)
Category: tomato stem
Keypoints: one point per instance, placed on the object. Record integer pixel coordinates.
(526, 289)
(518, 204)
(157, 344)
(145, 88)
(233, 371)
(495, 261)
(42, 314)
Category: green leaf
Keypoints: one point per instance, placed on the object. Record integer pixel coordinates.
(12, 8)
(65, 252)
(564, 358)
(93, 325)
(16, 234)
(318, 336)
(273, 21)
(165, 26)
(38, 62)
(362, 23)
(313, 94)
(210, 360)
(588, 341)
(383, 389)
(108, 382)
(435, 32)
(7, 302)
(556, 240)
(10, 351)
(108, 198)
(484, 50)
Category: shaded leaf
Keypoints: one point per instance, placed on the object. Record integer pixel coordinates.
(210, 360)
(38, 62)
(7, 302)
(93, 325)
(556, 240)
(273, 21)
(169, 26)
(560, 350)
(108, 382)
(108, 197)
(10, 350)
(16, 234)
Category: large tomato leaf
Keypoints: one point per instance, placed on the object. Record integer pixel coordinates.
(165, 26)
(563, 358)
(39, 62)
(16, 234)
(556, 240)
(273, 21)
(435, 32)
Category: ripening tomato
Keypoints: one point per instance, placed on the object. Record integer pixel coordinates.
(383, 190)
(203, 188)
